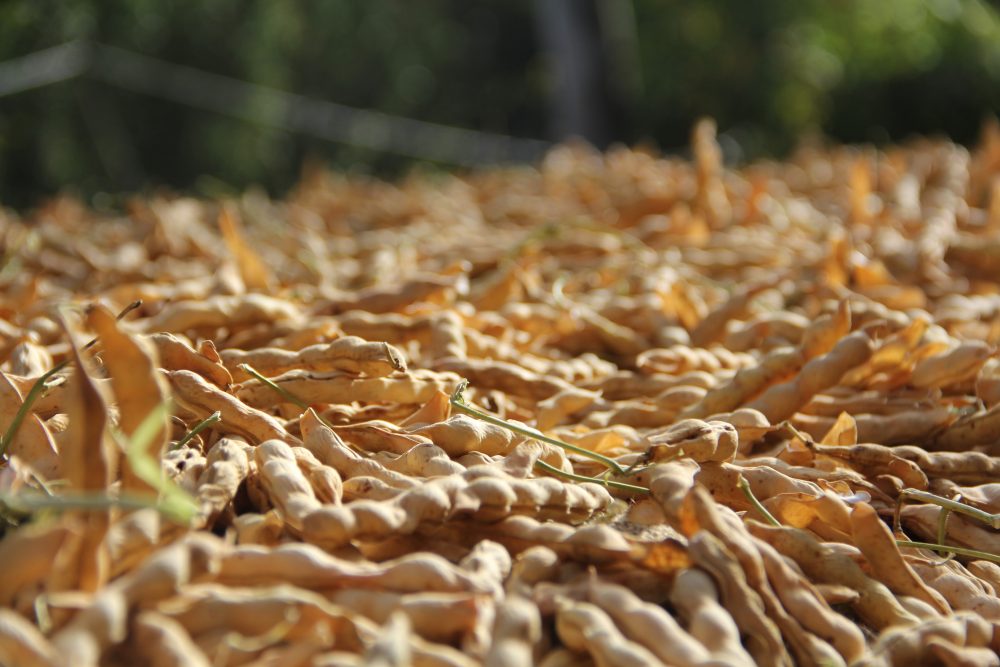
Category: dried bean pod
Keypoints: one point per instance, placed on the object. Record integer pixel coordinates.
(506, 377)
(712, 328)
(922, 519)
(955, 365)
(287, 488)
(585, 628)
(349, 354)
(697, 440)
(721, 480)
(628, 384)
(747, 383)
(962, 590)
(784, 326)
(34, 441)
(197, 395)
(663, 410)
(876, 542)
(750, 425)
(916, 645)
(215, 312)
(417, 386)
(960, 467)
(648, 624)
(306, 566)
(438, 617)
(461, 434)
(695, 597)
(764, 640)
(104, 621)
(226, 468)
(176, 354)
(21, 643)
(682, 358)
(423, 460)
(327, 446)
(160, 641)
(988, 382)
(875, 604)
(516, 634)
(29, 554)
(899, 427)
(781, 401)
(203, 609)
(978, 430)
(785, 594)
(440, 290)
(555, 409)
(803, 600)
(325, 481)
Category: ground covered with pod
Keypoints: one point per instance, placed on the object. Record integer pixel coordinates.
(611, 409)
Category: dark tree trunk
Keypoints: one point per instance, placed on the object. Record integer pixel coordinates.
(585, 101)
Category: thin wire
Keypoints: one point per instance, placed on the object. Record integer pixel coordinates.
(42, 68)
(264, 105)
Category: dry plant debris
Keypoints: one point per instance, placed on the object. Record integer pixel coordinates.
(614, 409)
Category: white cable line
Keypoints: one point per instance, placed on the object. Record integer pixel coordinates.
(266, 106)
(42, 68)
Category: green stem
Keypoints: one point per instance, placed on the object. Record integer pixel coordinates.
(27, 503)
(946, 548)
(42, 485)
(947, 506)
(942, 532)
(198, 428)
(284, 393)
(960, 551)
(41, 606)
(128, 309)
(993, 520)
(118, 318)
(622, 486)
(757, 505)
(8, 519)
(458, 402)
(558, 296)
(640, 464)
(796, 433)
(22, 412)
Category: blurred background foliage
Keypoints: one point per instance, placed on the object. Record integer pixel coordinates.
(770, 72)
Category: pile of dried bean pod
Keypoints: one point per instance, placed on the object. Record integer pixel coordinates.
(712, 416)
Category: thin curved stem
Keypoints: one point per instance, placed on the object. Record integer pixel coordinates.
(281, 391)
(757, 505)
(457, 400)
(27, 503)
(942, 533)
(198, 428)
(621, 486)
(959, 551)
(22, 412)
(992, 520)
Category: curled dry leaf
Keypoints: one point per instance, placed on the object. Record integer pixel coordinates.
(139, 390)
